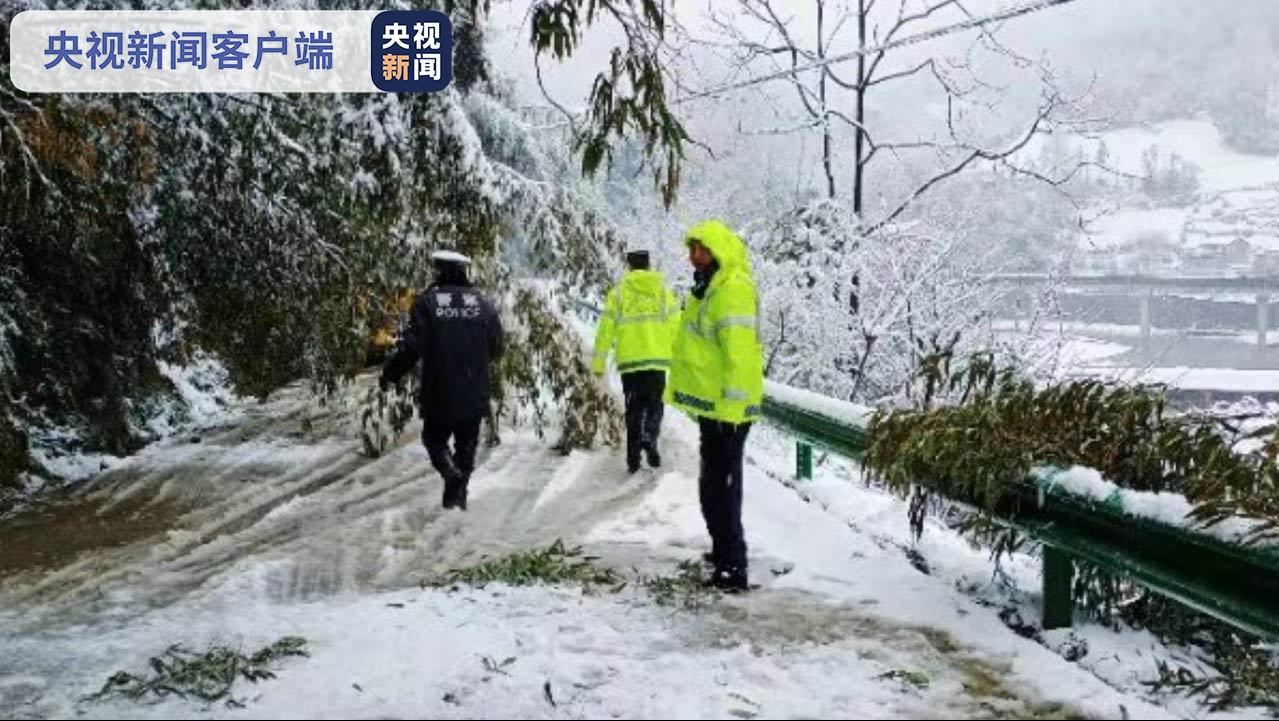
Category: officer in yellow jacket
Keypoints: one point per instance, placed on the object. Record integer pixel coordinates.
(638, 325)
(717, 376)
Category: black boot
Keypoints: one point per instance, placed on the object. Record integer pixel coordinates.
(730, 580)
(459, 498)
(632, 464)
(650, 453)
(450, 493)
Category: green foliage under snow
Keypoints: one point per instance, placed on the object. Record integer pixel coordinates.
(1000, 426)
(556, 564)
(207, 676)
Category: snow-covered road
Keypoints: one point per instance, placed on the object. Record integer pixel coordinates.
(276, 525)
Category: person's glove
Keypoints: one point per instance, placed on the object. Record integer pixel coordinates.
(383, 384)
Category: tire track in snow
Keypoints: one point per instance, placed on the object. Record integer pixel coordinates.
(287, 489)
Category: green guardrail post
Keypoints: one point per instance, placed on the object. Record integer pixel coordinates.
(803, 461)
(1059, 576)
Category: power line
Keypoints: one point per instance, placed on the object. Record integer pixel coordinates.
(969, 24)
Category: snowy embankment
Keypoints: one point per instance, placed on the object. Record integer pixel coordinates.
(277, 526)
(202, 397)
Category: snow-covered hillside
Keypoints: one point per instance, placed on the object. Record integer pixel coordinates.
(1231, 225)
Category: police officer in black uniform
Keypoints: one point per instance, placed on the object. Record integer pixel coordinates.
(456, 333)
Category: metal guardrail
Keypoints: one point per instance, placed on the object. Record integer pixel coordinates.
(1235, 584)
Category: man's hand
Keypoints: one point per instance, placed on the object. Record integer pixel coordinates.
(382, 383)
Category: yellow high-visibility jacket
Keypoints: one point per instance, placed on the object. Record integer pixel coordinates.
(717, 366)
(638, 325)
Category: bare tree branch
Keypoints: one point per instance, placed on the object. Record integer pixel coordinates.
(572, 120)
(1016, 11)
(989, 37)
(777, 344)
(801, 127)
(902, 22)
(852, 123)
(830, 73)
(954, 152)
(839, 25)
(973, 156)
(903, 74)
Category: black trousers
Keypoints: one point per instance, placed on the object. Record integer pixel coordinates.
(643, 391)
(455, 464)
(720, 486)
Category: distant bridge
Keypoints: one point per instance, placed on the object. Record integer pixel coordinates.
(1144, 287)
